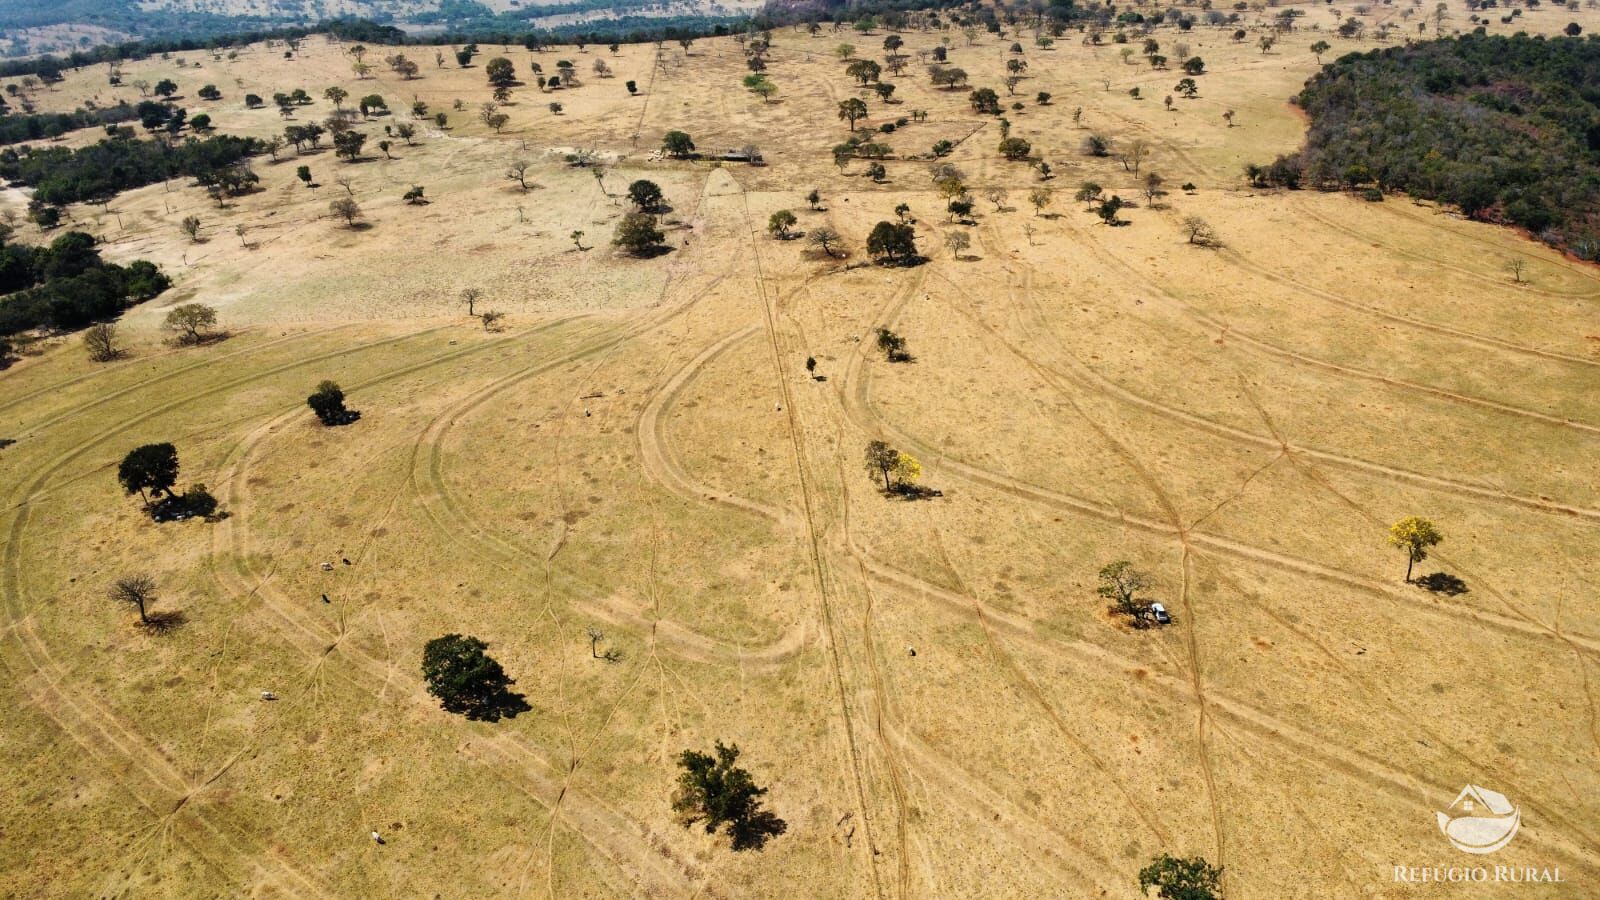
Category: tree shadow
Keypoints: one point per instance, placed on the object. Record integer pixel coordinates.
(1443, 583)
(204, 340)
(164, 622)
(650, 252)
(502, 704)
(912, 492)
(752, 832)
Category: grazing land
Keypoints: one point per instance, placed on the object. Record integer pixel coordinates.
(927, 683)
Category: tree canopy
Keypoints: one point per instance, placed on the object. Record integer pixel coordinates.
(893, 242)
(1181, 879)
(469, 681)
(1413, 535)
(712, 790)
(677, 144)
(149, 468)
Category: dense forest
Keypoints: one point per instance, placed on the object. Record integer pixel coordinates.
(33, 126)
(61, 175)
(1506, 128)
(67, 285)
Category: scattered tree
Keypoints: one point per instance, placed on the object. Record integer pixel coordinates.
(469, 681)
(880, 460)
(518, 171)
(645, 194)
(637, 233)
(190, 322)
(823, 238)
(1015, 148)
(501, 73)
(100, 340)
(327, 401)
(1121, 583)
(677, 144)
(138, 591)
(1133, 153)
(894, 243)
(1414, 535)
(781, 224)
(346, 209)
(852, 110)
(893, 346)
(1181, 879)
(151, 468)
(1200, 232)
(957, 242)
(711, 789)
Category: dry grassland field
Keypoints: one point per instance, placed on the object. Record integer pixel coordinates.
(932, 691)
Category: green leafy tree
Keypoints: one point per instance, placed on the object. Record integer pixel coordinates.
(348, 144)
(501, 72)
(1015, 148)
(852, 110)
(327, 401)
(880, 462)
(1181, 879)
(152, 468)
(891, 242)
(645, 194)
(781, 224)
(469, 681)
(714, 791)
(892, 345)
(677, 144)
(984, 101)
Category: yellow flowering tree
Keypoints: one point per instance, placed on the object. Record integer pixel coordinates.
(1414, 535)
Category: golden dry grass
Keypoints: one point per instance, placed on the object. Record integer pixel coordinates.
(640, 450)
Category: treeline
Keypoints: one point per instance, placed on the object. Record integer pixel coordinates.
(1506, 128)
(61, 175)
(67, 285)
(511, 27)
(36, 126)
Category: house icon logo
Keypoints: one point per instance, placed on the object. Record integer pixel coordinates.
(1480, 820)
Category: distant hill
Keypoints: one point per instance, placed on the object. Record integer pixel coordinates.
(33, 27)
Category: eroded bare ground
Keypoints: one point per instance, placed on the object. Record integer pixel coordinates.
(641, 450)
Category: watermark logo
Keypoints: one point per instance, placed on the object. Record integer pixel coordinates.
(1480, 820)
